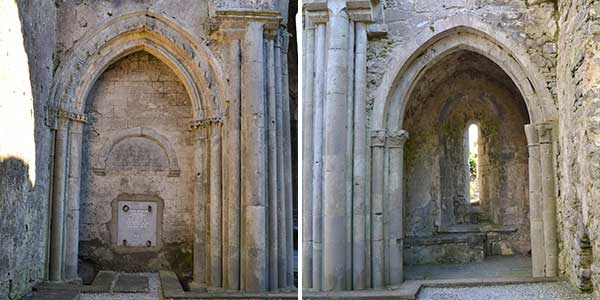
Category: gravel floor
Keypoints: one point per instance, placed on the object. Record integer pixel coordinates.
(540, 291)
(154, 294)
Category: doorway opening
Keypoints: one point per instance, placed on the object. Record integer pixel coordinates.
(466, 171)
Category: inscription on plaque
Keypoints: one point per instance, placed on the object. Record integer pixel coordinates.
(136, 223)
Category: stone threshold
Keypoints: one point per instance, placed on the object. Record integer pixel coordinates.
(101, 284)
(410, 289)
(171, 289)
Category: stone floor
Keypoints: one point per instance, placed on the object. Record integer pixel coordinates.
(491, 267)
(539, 291)
(153, 292)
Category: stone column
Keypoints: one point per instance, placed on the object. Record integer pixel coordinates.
(287, 150)
(215, 217)
(549, 198)
(359, 160)
(58, 199)
(254, 173)
(349, 153)
(233, 166)
(281, 190)
(317, 179)
(394, 208)
(538, 260)
(334, 150)
(307, 151)
(273, 168)
(377, 187)
(201, 199)
(73, 201)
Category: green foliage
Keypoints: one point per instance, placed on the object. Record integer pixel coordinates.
(473, 165)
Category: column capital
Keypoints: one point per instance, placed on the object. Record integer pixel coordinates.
(378, 137)
(396, 139)
(233, 23)
(53, 114)
(545, 132)
(205, 122)
(358, 10)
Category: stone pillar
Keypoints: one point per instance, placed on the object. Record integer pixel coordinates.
(307, 152)
(349, 153)
(281, 191)
(73, 200)
(57, 235)
(359, 160)
(287, 151)
(377, 187)
(254, 173)
(394, 208)
(538, 260)
(215, 205)
(334, 150)
(549, 198)
(233, 166)
(317, 178)
(201, 199)
(273, 168)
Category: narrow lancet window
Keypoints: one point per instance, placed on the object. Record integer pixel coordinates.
(472, 163)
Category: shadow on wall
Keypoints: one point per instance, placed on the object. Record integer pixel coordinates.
(16, 229)
(28, 42)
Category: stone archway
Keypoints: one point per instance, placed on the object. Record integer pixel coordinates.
(197, 70)
(230, 189)
(388, 135)
(442, 225)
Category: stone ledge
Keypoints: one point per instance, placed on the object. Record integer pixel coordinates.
(101, 284)
(171, 289)
(54, 295)
(410, 289)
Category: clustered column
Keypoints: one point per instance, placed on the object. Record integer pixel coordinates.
(337, 233)
(255, 229)
(542, 199)
(66, 179)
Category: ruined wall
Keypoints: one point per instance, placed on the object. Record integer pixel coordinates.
(579, 99)
(532, 24)
(27, 45)
(76, 19)
(137, 91)
(461, 89)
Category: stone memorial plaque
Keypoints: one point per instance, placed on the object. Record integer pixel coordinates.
(136, 223)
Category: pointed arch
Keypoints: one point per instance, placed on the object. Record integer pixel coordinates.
(451, 35)
(190, 60)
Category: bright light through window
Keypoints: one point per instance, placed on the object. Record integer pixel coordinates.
(473, 163)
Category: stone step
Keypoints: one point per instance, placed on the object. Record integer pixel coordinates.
(131, 283)
(445, 248)
(53, 295)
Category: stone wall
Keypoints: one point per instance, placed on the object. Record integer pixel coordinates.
(532, 24)
(27, 44)
(138, 91)
(578, 82)
(79, 19)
